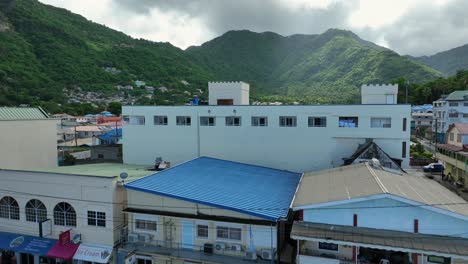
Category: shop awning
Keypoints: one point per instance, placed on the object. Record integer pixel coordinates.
(445, 246)
(25, 244)
(93, 253)
(64, 252)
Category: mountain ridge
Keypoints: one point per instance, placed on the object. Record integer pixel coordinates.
(447, 62)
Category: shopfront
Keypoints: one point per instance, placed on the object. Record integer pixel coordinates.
(23, 249)
(91, 253)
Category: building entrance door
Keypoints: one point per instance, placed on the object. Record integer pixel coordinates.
(187, 234)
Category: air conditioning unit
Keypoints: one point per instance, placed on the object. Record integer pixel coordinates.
(236, 247)
(251, 255)
(267, 254)
(144, 238)
(219, 246)
(132, 238)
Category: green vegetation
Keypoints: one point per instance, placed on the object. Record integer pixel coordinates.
(447, 62)
(48, 54)
(417, 151)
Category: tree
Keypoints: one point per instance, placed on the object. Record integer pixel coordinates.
(115, 108)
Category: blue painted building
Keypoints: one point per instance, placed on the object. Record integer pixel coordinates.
(368, 201)
(229, 210)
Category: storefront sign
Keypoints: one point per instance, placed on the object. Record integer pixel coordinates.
(25, 244)
(64, 237)
(130, 259)
(93, 253)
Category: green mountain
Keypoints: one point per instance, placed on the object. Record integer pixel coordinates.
(316, 68)
(49, 55)
(46, 49)
(448, 62)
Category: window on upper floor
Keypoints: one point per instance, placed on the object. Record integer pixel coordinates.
(452, 136)
(382, 122)
(259, 121)
(133, 120)
(404, 123)
(183, 120)
(147, 225)
(465, 104)
(64, 215)
(287, 121)
(207, 121)
(453, 115)
(35, 211)
(9, 208)
(328, 246)
(459, 136)
(160, 120)
(96, 218)
(232, 233)
(453, 104)
(233, 121)
(465, 115)
(317, 121)
(348, 121)
(202, 231)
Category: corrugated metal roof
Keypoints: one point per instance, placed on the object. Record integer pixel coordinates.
(363, 180)
(22, 113)
(457, 95)
(379, 238)
(258, 191)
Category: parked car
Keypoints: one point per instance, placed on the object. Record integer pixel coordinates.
(434, 167)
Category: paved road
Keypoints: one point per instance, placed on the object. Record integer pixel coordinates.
(428, 146)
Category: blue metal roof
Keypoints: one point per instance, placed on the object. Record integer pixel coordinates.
(254, 190)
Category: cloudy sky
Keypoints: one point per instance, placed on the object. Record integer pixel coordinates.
(415, 27)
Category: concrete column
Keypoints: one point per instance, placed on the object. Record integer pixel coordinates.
(18, 258)
(36, 259)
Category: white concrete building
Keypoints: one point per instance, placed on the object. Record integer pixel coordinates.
(448, 110)
(28, 138)
(379, 94)
(228, 93)
(291, 137)
(85, 200)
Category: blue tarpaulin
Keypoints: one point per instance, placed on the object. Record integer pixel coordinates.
(111, 137)
(26, 244)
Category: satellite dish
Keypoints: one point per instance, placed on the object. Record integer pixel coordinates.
(123, 175)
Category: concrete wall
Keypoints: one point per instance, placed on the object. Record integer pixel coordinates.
(395, 215)
(28, 144)
(378, 93)
(83, 193)
(442, 109)
(238, 91)
(300, 148)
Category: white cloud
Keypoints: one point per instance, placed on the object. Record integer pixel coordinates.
(408, 26)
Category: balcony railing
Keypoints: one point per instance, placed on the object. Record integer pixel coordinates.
(227, 254)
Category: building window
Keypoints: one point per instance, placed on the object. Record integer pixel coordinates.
(404, 124)
(452, 136)
(453, 104)
(233, 120)
(64, 215)
(202, 231)
(97, 218)
(465, 104)
(133, 120)
(35, 211)
(141, 260)
(183, 120)
(160, 120)
(100, 156)
(232, 233)
(382, 122)
(465, 115)
(348, 121)
(9, 208)
(403, 149)
(207, 121)
(459, 138)
(287, 121)
(148, 225)
(328, 246)
(317, 121)
(259, 121)
(453, 115)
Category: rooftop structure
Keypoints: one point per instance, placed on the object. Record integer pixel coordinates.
(225, 184)
(22, 113)
(379, 93)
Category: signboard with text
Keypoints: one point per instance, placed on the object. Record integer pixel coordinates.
(64, 237)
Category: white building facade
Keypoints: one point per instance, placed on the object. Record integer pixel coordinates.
(449, 110)
(292, 137)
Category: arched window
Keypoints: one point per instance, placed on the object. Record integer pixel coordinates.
(35, 211)
(64, 215)
(9, 208)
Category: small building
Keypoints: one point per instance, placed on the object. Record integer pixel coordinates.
(71, 212)
(379, 93)
(107, 152)
(209, 210)
(28, 138)
(228, 93)
(365, 213)
(88, 131)
(454, 154)
(449, 109)
(108, 119)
